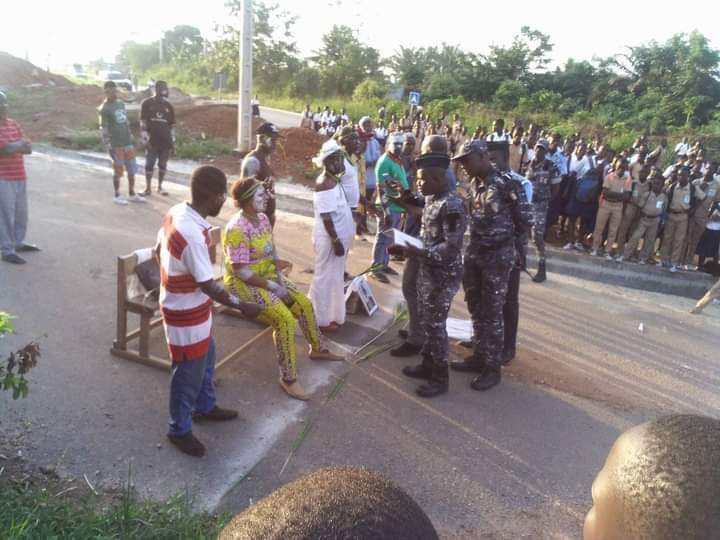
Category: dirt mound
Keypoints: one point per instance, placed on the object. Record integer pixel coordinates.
(17, 73)
(214, 121)
(295, 151)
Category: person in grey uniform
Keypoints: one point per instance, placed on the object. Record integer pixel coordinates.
(489, 257)
(440, 270)
(413, 336)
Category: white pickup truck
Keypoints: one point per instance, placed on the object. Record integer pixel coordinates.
(118, 78)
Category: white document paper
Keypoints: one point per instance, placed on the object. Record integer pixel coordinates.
(399, 238)
(460, 329)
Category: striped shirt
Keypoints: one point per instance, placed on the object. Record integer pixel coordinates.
(12, 167)
(185, 262)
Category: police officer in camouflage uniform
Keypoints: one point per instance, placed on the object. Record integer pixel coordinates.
(489, 257)
(499, 155)
(543, 174)
(440, 272)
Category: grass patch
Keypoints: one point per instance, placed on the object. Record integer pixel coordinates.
(195, 148)
(36, 513)
(81, 139)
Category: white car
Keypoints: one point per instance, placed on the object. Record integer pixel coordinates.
(118, 78)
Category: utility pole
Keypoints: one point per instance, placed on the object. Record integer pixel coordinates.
(245, 78)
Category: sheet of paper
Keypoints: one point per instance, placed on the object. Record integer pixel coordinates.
(399, 238)
(460, 329)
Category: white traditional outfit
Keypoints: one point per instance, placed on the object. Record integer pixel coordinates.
(350, 185)
(327, 291)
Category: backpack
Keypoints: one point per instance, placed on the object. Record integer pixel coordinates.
(588, 187)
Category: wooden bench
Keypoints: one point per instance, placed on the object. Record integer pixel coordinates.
(147, 308)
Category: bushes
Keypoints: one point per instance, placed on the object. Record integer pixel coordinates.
(193, 78)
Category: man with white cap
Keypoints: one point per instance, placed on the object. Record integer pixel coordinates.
(333, 233)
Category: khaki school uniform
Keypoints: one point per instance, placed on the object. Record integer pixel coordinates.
(673, 242)
(610, 211)
(631, 215)
(650, 208)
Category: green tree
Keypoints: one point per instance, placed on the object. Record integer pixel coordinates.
(275, 60)
(305, 83)
(528, 54)
(684, 70)
(368, 90)
(345, 62)
(442, 86)
(409, 66)
(509, 94)
(182, 44)
(139, 57)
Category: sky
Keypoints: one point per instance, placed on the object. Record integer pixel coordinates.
(56, 33)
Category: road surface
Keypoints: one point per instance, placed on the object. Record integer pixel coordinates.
(282, 119)
(516, 462)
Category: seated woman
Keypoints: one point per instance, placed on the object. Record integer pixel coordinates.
(251, 272)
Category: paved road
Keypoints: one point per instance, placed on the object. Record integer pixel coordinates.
(282, 119)
(516, 462)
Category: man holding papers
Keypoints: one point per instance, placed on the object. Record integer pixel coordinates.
(440, 272)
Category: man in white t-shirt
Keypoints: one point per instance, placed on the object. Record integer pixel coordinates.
(682, 148)
(498, 133)
(187, 292)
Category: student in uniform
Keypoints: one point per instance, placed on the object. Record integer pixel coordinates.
(651, 206)
(615, 190)
(679, 203)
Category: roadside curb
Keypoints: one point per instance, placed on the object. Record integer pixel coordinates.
(651, 278)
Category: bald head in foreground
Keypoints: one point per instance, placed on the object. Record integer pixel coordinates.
(340, 503)
(661, 481)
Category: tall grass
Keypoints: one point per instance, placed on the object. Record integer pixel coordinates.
(35, 513)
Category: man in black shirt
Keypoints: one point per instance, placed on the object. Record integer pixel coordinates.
(157, 121)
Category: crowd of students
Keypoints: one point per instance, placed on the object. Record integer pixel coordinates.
(644, 204)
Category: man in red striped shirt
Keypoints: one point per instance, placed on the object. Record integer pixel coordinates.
(187, 291)
(13, 188)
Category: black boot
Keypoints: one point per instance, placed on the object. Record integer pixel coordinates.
(507, 356)
(438, 383)
(405, 350)
(469, 365)
(489, 377)
(541, 275)
(421, 371)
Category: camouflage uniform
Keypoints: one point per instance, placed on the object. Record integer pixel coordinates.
(443, 228)
(541, 175)
(488, 260)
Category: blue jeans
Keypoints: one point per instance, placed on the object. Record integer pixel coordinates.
(191, 389)
(382, 241)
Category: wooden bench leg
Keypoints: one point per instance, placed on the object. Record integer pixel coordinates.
(145, 335)
(121, 328)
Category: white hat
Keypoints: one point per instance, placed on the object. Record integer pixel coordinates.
(328, 148)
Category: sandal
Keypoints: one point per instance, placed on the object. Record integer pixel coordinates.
(294, 390)
(325, 354)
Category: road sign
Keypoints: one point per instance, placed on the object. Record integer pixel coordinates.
(414, 99)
